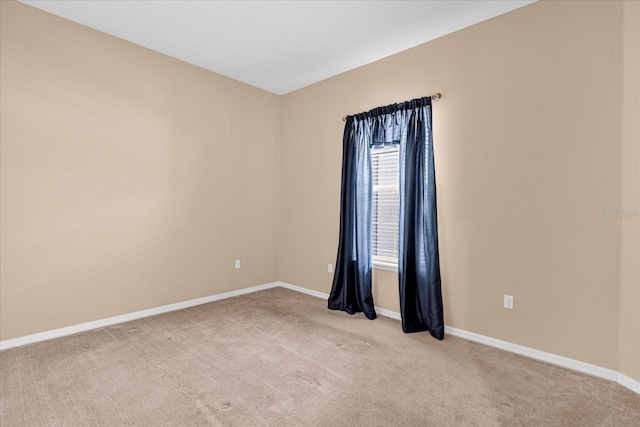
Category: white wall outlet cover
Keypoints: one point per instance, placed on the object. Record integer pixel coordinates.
(237, 263)
(508, 302)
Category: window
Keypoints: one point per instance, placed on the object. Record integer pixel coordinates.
(385, 206)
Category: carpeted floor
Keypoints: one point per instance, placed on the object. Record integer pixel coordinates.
(280, 358)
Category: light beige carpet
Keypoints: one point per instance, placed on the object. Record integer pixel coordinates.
(280, 358)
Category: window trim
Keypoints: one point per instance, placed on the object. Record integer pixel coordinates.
(384, 265)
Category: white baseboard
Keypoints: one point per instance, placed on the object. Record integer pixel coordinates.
(554, 359)
(388, 313)
(565, 362)
(629, 383)
(82, 327)
(303, 290)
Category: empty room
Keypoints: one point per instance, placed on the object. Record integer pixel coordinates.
(319, 213)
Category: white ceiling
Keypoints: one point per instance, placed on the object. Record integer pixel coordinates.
(279, 46)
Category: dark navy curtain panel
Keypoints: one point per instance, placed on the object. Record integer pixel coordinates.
(408, 125)
(351, 290)
(418, 258)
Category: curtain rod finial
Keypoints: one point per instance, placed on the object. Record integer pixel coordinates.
(344, 118)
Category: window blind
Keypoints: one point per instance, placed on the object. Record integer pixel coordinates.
(385, 204)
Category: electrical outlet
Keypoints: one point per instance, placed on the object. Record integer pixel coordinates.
(330, 268)
(237, 264)
(508, 302)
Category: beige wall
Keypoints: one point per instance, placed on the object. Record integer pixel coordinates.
(629, 326)
(129, 179)
(529, 148)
